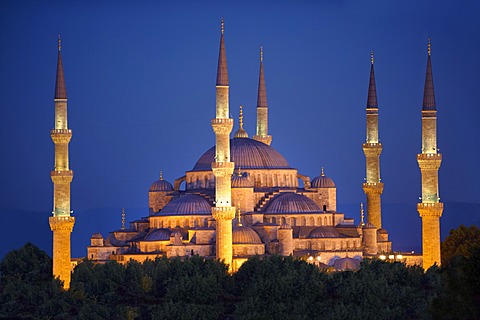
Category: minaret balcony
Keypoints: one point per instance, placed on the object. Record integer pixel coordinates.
(429, 156)
(372, 145)
(430, 209)
(61, 223)
(61, 131)
(61, 177)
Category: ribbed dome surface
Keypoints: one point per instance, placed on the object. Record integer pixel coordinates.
(242, 181)
(158, 235)
(322, 182)
(247, 154)
(245, 235)
(324, 232)
(189, 204)
(161, 185)
(290, 202)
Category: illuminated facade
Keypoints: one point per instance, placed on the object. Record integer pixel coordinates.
(61, 222)
(430, 209)
(242, 198)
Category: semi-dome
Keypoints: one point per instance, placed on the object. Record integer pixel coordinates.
(322, 181)
(289, 202)
(242, 180)
(245, 235)
(189, 204)
(161, 185)
(247, 154)
(160, 234)
(324, 232)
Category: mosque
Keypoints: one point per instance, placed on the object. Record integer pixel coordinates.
(242, 198)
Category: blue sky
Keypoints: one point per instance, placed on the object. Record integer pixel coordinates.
(140, 80)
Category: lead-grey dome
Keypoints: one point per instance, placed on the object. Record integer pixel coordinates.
(324, 232)
(161, 185)
(160, 234)
(289, 202)
(245, 235)
(247, 154)
(189, 204)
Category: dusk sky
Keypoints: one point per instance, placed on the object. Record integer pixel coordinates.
(140, 79)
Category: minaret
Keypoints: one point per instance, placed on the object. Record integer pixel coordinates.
(262, 108)
(430, 209)
(372, 148)
(222, 168)
(61, 222)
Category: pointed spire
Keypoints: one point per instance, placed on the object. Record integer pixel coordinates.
(60, 88)
(372, 88)
(241, 133)
(222, 72)
(429, 92)
(262, 92)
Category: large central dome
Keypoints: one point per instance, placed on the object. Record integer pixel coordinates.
(247, 154)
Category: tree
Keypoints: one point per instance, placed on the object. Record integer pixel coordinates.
(27, 287)
(460, 243)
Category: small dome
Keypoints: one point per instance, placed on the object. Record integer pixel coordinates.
(344, 264)
(97, 235)
(242, 180)
(245, 235)
(369, 225)
(289, 202)
(158, 235)
(285, 227)
(189, 204)
(322, 181)
(161, 185)
(324, 232)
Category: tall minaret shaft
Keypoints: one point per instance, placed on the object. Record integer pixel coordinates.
(222, 168)
(430, 209)
(372, 148)
(262, 107)
(61, 223)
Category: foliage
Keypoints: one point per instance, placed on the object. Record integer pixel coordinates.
(460, 243)
(270, 287)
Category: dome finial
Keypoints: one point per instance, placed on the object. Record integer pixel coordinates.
(123, 218)
(161, 175)
(240, 117)
(362, 215)
(239, 171)
(59, 42)
(261, 54)
(222, 26)
(241, 133)
(322, 173)
(239, 221)
(429, 46)
(372, 57)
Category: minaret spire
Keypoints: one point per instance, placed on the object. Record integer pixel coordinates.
(429, 92)
(262, 107)
(61, 223)
(222, 72)
(60, 88)
(430, 209)
(372, 149)
(222, 168)
(372, 88)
